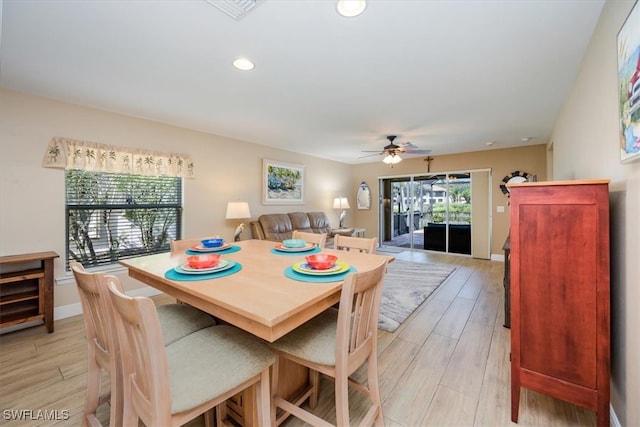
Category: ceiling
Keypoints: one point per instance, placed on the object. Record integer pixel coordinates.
(449, 76)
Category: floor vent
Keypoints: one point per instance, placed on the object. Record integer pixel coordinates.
(236, 9)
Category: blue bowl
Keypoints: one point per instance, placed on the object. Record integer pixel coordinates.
(212, 243)
(294, 243)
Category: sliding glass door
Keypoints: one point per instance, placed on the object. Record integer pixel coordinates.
(430, 212)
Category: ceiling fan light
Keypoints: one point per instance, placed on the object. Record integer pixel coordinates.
(351, 8)
(391, 159)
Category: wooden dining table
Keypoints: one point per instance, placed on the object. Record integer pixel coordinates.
(259, 298)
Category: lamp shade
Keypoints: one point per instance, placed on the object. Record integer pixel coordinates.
(238, 210)
(341, 203)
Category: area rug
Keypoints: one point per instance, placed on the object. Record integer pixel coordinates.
(406, 286)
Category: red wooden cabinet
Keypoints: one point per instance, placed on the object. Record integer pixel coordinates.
(560, 309)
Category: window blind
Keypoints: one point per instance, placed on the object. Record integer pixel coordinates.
(112, 216)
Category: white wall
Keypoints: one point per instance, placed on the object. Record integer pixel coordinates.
(586, 145)
(32, 197)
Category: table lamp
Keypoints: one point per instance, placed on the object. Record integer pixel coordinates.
(238, 210)
(341, 203)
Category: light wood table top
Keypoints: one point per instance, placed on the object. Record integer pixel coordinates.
(259, 298)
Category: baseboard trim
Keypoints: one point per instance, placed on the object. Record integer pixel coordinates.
(497, 257)
(613, 418)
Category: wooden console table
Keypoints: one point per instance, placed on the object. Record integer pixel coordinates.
(27, 295)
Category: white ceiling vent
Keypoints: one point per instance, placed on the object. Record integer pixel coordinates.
(235, 8)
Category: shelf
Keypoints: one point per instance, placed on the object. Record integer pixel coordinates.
(16, 276)
(23, 296)
(20, 312)
(27, 295)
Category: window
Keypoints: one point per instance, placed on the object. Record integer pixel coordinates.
(113, 216)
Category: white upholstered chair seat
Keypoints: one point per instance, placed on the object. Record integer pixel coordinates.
(314, 341)
(180, 320)
(225, 358)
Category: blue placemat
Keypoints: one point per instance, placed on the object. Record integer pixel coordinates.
(174, 275)
(309, 252)
(230, 250)
(292, 274)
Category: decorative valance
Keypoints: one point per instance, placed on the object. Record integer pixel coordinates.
(66, 153)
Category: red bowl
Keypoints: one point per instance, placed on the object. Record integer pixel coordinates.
(203, 261)
(321, 261)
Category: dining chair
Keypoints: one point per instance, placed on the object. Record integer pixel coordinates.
(318, 239)
(103, 350)
(169, 386)
(361, 244)
(336, 343)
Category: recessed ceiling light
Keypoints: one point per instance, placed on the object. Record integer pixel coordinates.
(490, 143)
(243, 64)
(351, 8)
(526, 139)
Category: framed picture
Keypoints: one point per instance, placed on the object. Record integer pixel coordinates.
(282, 183)
(628, 42)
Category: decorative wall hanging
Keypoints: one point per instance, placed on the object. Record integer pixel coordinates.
(629, 86)
(67, 153)
(282, 183)
(515, 176)
(363, 196)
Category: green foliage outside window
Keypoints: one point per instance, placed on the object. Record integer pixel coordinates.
(114, 216)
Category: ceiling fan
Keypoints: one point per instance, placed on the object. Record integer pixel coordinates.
(391, 151)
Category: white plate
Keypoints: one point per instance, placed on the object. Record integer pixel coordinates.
(222, 265)
(304, 268)
(305, 248)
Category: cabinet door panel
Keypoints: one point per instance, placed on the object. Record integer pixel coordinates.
(559, 300)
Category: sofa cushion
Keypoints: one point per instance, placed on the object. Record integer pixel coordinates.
(319, 223)
(300, 221)
(276, 227)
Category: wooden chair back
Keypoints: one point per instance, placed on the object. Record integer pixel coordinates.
(103, 349)
(357, 331)
(144, 363)
(318, 239)
(361, 244)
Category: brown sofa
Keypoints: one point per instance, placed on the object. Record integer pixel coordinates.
(277, 227)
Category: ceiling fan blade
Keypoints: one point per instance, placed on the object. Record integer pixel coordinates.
(369, 155)
(417, 151)
(372, 151)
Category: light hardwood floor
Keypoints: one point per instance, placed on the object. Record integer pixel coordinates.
(448, 364)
